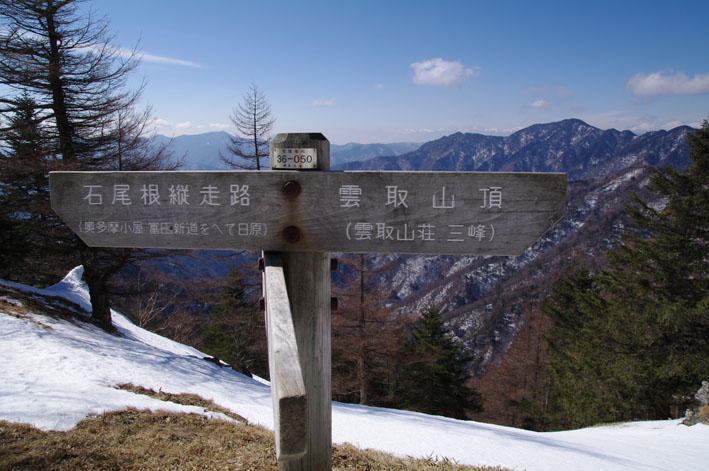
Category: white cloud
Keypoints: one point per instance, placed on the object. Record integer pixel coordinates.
(167, 60)
(123, 52)
(184, 125)
(328, 102)
(439, 72)
(220, 126)
(146, 57)
(539, 104)
(668, 83)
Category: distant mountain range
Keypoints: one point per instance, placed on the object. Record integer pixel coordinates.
(570, 146)
(201, 151)
(484, 298)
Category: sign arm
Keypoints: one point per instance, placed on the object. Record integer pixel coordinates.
(289, 395)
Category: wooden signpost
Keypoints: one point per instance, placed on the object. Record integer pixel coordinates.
(297, 214)
(299, 211)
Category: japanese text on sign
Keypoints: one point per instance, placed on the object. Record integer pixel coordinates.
(392, 212)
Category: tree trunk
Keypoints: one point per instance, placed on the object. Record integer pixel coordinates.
(101, 310)
(362, 360)
(64, 127)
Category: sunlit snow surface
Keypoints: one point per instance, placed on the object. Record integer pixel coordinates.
(54, 378)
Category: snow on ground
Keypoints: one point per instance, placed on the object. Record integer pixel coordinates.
(53, 378)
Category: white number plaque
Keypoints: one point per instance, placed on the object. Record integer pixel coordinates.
(283, 158)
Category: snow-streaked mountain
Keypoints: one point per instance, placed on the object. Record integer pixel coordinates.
(474, 293)
(56, 371)
(572, 146)
(482, 298)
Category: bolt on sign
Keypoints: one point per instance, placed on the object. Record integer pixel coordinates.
(376, 212)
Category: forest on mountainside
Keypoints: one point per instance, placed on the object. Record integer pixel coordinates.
(628, 341)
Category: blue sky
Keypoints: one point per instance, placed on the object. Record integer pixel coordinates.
(390, 71)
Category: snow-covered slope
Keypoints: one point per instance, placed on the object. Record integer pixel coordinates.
(55, 373)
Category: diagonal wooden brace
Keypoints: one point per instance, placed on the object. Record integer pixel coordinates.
(290, 407)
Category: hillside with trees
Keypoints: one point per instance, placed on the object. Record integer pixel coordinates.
(626, 340)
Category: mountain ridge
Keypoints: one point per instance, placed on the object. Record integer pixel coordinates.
(571, 146)
(483, 298)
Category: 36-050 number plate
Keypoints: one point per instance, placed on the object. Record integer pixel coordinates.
(294, 158)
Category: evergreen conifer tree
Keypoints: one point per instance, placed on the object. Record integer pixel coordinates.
(435, 373)
(37, 247)
(633, 341)
(236, 332)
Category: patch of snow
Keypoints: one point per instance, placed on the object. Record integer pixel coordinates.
(57, 375)
(615, 184)
(459, 265)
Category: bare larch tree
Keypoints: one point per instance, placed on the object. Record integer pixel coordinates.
(253, 120)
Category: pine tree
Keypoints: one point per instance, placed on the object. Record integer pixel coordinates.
(236, 332)
(633, 341)
(582, 353)
(37, 247)
(434, 377)
(663, 268)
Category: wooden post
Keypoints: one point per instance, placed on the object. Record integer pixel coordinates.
(307, 277)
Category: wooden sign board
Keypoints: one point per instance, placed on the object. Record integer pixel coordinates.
(360, 212)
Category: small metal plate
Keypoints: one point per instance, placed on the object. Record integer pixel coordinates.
(284, 158)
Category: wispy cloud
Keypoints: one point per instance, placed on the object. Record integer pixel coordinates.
(668, 83)
(539, 104)
(155, 59)
(549, 96)
(442, 73)
(325, 102)
(168, 60)
(184, 125)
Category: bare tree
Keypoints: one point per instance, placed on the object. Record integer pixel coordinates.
(253, 120)
(366, 337)
(66, 64)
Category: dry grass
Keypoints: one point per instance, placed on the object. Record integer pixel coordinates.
(138, 440)
(142, 440)
(349, 458)
(183, 399)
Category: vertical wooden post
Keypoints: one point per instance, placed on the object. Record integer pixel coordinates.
(308, 279)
